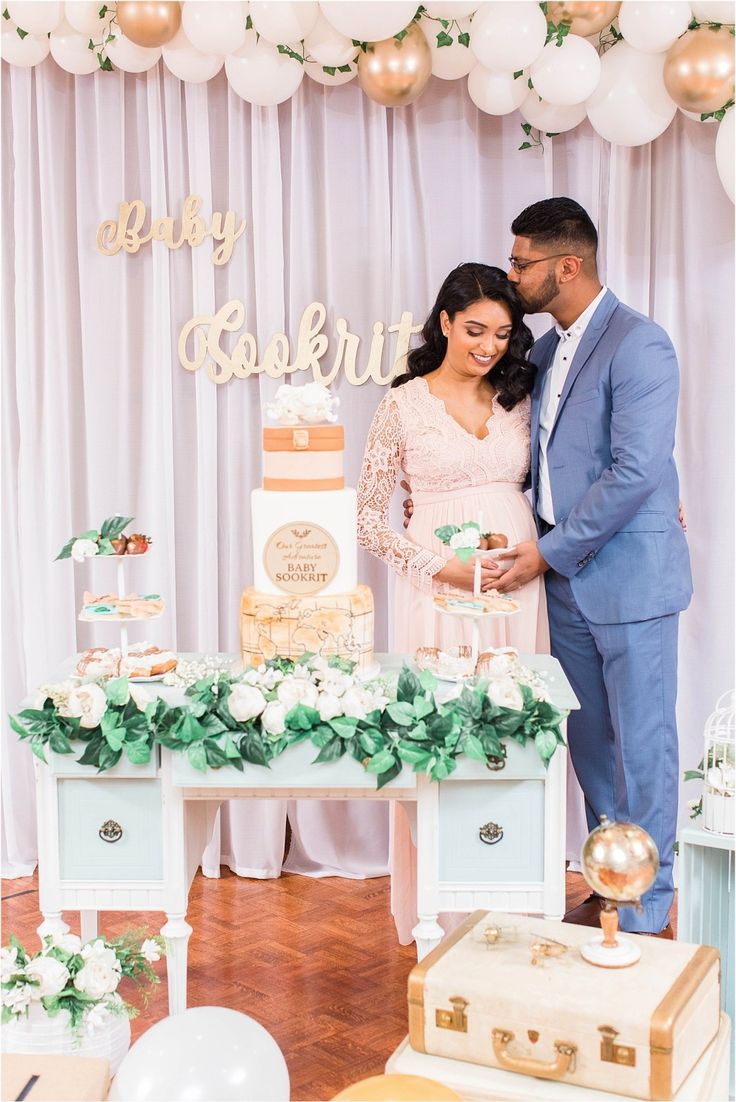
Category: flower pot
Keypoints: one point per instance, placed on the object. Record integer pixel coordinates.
(719, 812)
(40, 1034)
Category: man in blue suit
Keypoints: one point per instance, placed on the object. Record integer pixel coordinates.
(614, 556)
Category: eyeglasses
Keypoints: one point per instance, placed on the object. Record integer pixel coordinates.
(522, 265)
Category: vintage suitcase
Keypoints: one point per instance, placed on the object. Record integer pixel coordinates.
(513, 992)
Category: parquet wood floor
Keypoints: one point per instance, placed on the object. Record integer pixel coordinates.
(315, 961)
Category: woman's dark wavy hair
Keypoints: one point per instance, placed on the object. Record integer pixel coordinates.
(513, 376)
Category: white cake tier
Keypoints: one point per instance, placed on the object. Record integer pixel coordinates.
(335, 511)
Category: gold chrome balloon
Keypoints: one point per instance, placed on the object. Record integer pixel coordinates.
(619, 861)
(393, 72)
(699, 69)
(583, 17)
(148, 24)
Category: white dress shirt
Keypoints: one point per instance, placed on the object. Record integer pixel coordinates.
(550, 400)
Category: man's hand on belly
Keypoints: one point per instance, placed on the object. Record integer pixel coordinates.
(528, 564)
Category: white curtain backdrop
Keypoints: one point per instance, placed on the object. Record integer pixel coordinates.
(364, 209)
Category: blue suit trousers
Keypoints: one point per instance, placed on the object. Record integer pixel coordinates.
(623, 740)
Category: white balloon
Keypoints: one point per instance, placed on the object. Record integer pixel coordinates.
(215, 26)
(203, 1053)
(726, 152)
(508, 36)
(695, 115)
(717, 11)
(566, 74)
(451, 9)
(69, 51)
(36, 16)
(260, 74)
(125, 55)
(653, 25)
(449, 62)
(327, 46)
(496, 93)
(188, 64)
(314, 70)
(84, 16)
(368, 21)
(23, 52)
(279, 21)
(631, 105)
(551, 118)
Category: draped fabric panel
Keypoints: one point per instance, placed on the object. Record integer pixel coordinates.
(357, 207)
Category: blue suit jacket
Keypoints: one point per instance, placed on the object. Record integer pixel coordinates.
(612, 472)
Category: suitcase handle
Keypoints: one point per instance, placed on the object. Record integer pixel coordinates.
(565, 1061)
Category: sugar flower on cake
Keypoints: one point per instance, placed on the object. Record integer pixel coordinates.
(245, 702)
(311, 404)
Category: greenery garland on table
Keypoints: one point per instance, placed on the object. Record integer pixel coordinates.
(253, 717)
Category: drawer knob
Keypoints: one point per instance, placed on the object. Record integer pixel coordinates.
(110, 831)
(490, 833)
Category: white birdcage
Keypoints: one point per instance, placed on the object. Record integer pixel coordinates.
(719, 767)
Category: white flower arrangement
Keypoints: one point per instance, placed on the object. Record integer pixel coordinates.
(81, 979)
(311, 404)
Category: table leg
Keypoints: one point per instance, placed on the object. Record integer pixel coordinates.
(176, 932)
(52, 923)
(427, 933)
(88, 925)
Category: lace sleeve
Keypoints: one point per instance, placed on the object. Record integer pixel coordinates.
(381, 464)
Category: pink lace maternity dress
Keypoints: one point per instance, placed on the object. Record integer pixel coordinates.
(454, 476)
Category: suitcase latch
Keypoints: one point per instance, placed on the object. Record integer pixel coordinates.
(612, 1053)
(300, 439)
(456, 1018)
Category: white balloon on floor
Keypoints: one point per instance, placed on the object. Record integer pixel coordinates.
(216, 26)
(314, 70)
(36, 16)
(566, 74)
(367, 21)
(327, 46)
(551, 118)
(129, 57)
(631, 105)
(69, 50)
(508, 36)
(23, 52)
(726, 152)
(283, 21)
(717, 11)
(187, 63)
(496, 93)
(258, 73)
(653, 25)
(449, 62)
(84, 16)
(204, 1053)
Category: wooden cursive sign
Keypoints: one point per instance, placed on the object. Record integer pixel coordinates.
(207, 331)
(126, 232)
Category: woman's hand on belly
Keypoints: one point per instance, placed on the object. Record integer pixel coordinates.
(461, 575)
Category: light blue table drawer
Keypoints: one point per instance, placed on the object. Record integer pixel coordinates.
(517, 806)
(133, 806)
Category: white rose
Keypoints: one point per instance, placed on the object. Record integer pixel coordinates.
(87, 702)
(466, 537)
(270, 677)
(51, 974)
(140, 695)
(8, 963)
(18, 998)
(150, 950)
(84, 549)
(96, 979)
(329, 706)
(245, 702)
(96, 1019)
(70, 943)
(506, 693)
(335, 681)
(499, 666)
(293, 691)
(97, 950)
(357, 702)
(273, 718)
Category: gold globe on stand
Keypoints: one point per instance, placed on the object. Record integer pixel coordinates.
(620, 862)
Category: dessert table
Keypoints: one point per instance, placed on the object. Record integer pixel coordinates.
(132, 838)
